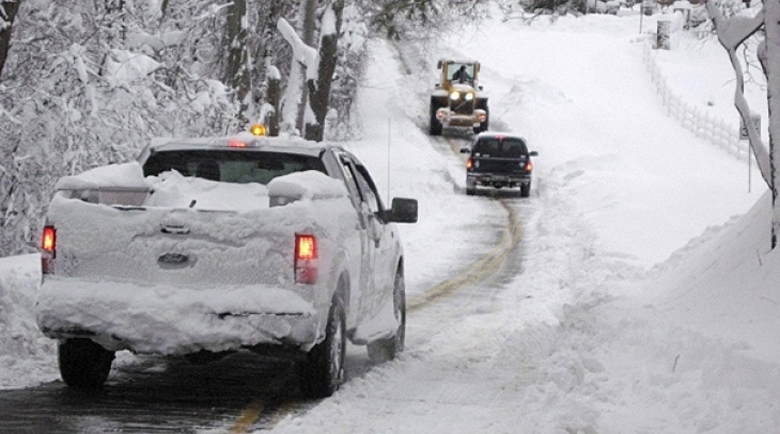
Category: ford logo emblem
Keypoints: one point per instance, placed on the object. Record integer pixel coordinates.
(174, 260)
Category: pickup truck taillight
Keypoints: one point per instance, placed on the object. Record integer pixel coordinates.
(469, 163)
(306, 259)
(528, 166)
(48, 249)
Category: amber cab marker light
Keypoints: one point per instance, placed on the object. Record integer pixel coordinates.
(257, 130)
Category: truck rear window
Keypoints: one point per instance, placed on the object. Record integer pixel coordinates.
(231, 166)
(500, 148)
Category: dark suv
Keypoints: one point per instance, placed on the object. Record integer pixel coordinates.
(499, 160)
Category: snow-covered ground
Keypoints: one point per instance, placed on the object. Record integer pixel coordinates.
(648, 297)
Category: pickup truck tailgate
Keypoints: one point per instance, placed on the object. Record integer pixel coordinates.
(499, 165)
(181, 246)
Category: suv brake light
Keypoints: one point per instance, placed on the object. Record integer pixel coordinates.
(48, 249)
(306, 259)
(528, 166)
(469, 163)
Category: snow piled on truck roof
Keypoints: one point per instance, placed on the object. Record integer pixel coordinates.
(307, 185)
(126, 175)
(173, 190)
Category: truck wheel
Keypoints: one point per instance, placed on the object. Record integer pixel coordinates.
(383, 350)
(525, 189)
(471, 188)
(322, 372)
(483, 126)
(435, 126)
(83, 363)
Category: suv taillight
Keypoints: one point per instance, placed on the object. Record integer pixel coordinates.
(306, 259)
(48, 249)
(469, 164)
(528, 166)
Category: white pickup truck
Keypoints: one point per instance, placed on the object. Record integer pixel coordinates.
(204, 247)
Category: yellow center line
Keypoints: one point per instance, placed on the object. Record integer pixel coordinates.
(478, 270)
(248, 417)
(282, 412)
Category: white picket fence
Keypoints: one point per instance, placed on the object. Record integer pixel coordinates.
(710, 128)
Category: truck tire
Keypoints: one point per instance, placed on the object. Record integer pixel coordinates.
(322, 372)
(471, 188)
(483, 126)
(383, 350)
(435, 126)
(525, 189)
(83, 363)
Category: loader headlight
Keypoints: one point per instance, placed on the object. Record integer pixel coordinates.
(469, 96)
(455, 95)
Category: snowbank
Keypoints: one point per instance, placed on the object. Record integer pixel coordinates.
(27, 357)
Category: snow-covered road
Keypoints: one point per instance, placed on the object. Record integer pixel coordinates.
(566, 344)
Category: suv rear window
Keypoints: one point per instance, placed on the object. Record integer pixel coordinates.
(231, 166)
(500, 148)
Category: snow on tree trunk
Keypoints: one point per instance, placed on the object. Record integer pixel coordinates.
(309, 27)
(771, 64)
(731, 34)
(319, 67)
(270, 113)
(320, 90)
(305, 61)
(7, 16)
(236, 65)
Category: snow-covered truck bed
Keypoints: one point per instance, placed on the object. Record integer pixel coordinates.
(203, 247)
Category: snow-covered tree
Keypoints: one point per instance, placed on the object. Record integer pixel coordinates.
(400, 19)
(732, 32)
(319, 65)
(88, 88)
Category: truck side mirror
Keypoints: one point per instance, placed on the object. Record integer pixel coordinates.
(465, 150)
(402, 211)
(533, 153)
